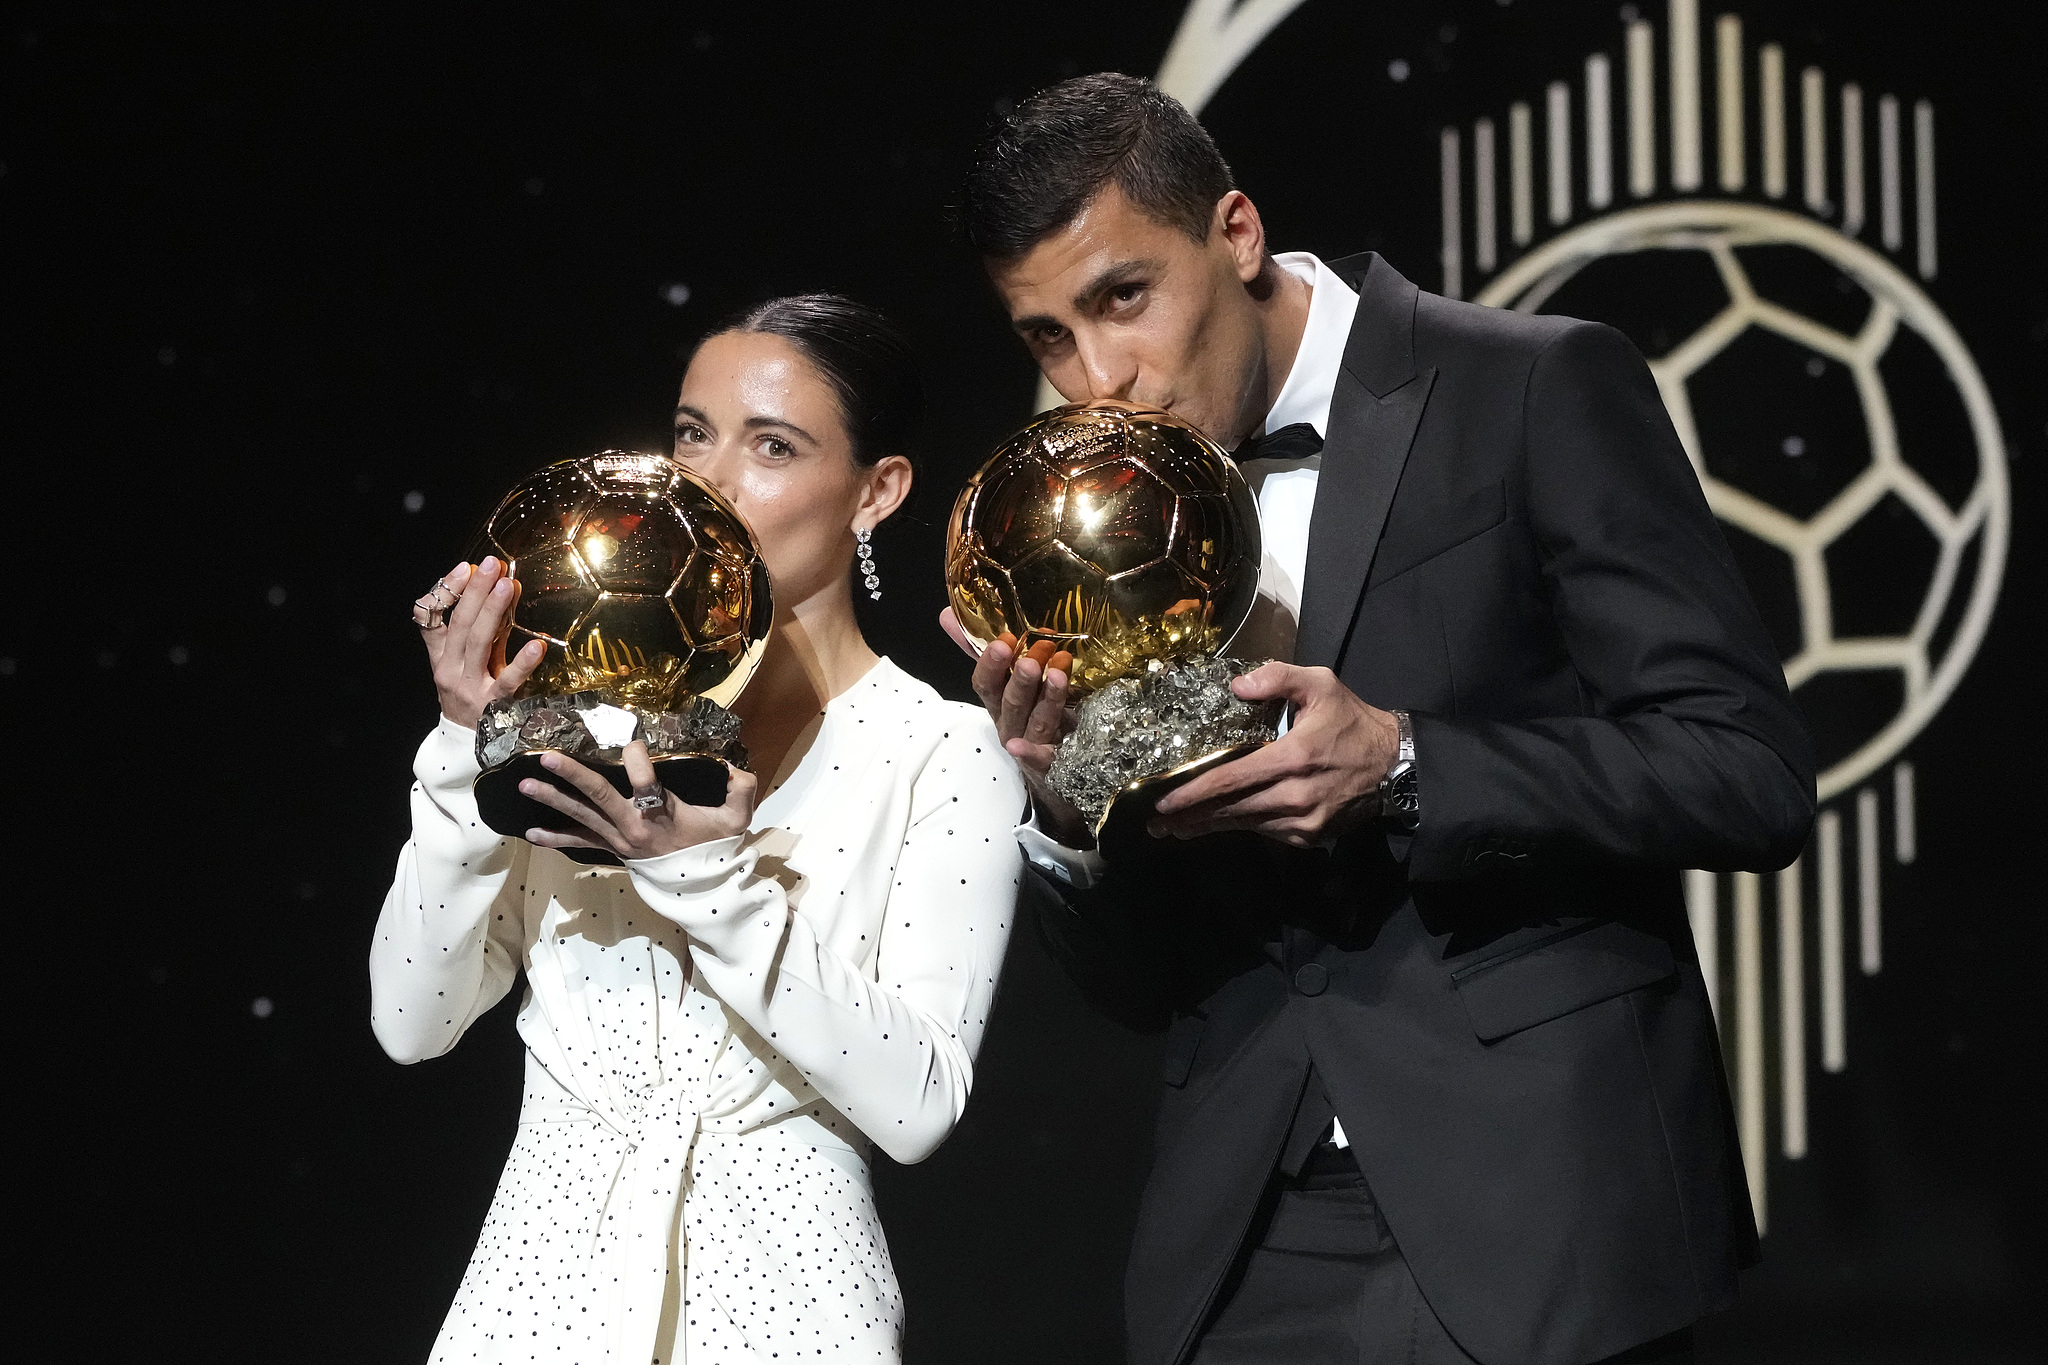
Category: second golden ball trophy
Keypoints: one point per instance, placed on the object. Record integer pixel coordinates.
(1127, 539)
(648, 590)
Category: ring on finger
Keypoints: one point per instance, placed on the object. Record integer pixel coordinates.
(650, 797)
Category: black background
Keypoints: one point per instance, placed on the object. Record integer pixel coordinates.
(274, 276)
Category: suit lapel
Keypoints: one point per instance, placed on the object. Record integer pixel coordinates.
(1373, 416)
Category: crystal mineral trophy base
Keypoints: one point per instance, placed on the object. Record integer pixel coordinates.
(1125, 537)
(648, 590)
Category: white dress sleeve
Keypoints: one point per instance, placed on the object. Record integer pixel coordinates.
(895, 1053)
(452, 931)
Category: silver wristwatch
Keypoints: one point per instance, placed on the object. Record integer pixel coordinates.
(1400, 802)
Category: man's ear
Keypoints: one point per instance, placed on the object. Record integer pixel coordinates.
(883, 491)
(1238, 226)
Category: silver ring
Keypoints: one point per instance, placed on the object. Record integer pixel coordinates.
(649, 798)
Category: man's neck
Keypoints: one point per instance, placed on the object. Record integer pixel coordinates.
(1283, 321)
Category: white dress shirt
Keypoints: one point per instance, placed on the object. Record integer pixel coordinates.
(1286, 491)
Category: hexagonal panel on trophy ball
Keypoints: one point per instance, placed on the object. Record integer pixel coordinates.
(1061, 594)
(634, 543)
(1117, 515)
(1016, 507)
(622, 633)
(1779, 421)
(543, 510)
(555, 590)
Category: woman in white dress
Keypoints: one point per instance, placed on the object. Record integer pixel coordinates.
(719, 1030)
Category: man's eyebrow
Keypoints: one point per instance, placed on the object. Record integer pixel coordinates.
(1123, 272)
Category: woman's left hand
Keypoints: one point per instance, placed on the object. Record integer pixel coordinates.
(614, 823)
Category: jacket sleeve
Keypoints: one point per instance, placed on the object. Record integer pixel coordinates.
(893, 1052)
(1689, 753)
(451, 936)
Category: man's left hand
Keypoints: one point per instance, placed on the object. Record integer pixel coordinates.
(1305, 788)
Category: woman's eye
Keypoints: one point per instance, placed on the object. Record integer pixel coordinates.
(689, 433)
(778, 448)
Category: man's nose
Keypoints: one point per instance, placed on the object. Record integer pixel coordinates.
(1110, 372)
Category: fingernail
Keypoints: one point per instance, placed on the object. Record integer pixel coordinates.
(490, 562)
(528, 787)
(533, 835)
(1056, 678)
(551, 761)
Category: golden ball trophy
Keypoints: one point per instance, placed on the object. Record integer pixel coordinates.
(1123, 537)
(649, 593)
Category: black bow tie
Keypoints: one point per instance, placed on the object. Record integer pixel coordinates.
(1297, 441)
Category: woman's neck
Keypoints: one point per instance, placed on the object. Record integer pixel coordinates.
(815, 652)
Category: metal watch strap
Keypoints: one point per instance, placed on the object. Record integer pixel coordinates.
(1400, 803)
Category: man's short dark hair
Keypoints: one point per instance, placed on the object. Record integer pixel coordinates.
(1039, 166)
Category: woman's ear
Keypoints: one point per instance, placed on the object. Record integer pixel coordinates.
(886, 485)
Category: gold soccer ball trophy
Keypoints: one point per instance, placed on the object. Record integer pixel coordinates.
(1122, 537)
(648, 590)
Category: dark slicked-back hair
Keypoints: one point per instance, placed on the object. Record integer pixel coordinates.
(868, 363)
(1039, 167)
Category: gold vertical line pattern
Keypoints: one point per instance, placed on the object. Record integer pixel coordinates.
(1834, 1031)
(1923, 186)
(1813, 128)
(1868, 925)
(1905, 820)
(1749, 1035)
(1485, 210)
(1852, 159)
(1890, 219)
(1642, 110)
(1728, 100)
(1599, 133)
(1521, 193)
(1454, 228)
(1770, 81)
(1684, 47)
(1703, 913)
(1791, 1012)
(1558, 131)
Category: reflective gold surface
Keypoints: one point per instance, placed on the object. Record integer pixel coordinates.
(1119, 532)
(637, 575)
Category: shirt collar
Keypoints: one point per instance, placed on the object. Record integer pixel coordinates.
(1312, 383)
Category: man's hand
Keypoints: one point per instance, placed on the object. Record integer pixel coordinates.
(1304, 789)
(1026, 696)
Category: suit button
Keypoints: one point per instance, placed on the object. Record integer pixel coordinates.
(1312, 978)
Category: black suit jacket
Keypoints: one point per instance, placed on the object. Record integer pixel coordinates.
(1505, 1009)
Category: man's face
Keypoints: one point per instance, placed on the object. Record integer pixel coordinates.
(1118, 305)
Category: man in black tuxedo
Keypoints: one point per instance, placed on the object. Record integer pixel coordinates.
(1442, 1082)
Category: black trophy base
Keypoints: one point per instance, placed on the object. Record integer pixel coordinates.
(1122, 827)
(698, 781)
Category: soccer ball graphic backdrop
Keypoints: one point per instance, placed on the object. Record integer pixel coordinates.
(636, 575)
(1840, 430)
(1120, 533)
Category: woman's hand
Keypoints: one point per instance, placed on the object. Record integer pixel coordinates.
(466, 644)
(624, 825)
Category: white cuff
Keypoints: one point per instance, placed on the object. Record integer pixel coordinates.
(446, 761)
(1077, 867)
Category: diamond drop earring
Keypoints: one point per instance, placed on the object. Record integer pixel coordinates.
(867, 563)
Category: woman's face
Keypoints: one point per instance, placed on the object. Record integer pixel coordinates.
(759, 423)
